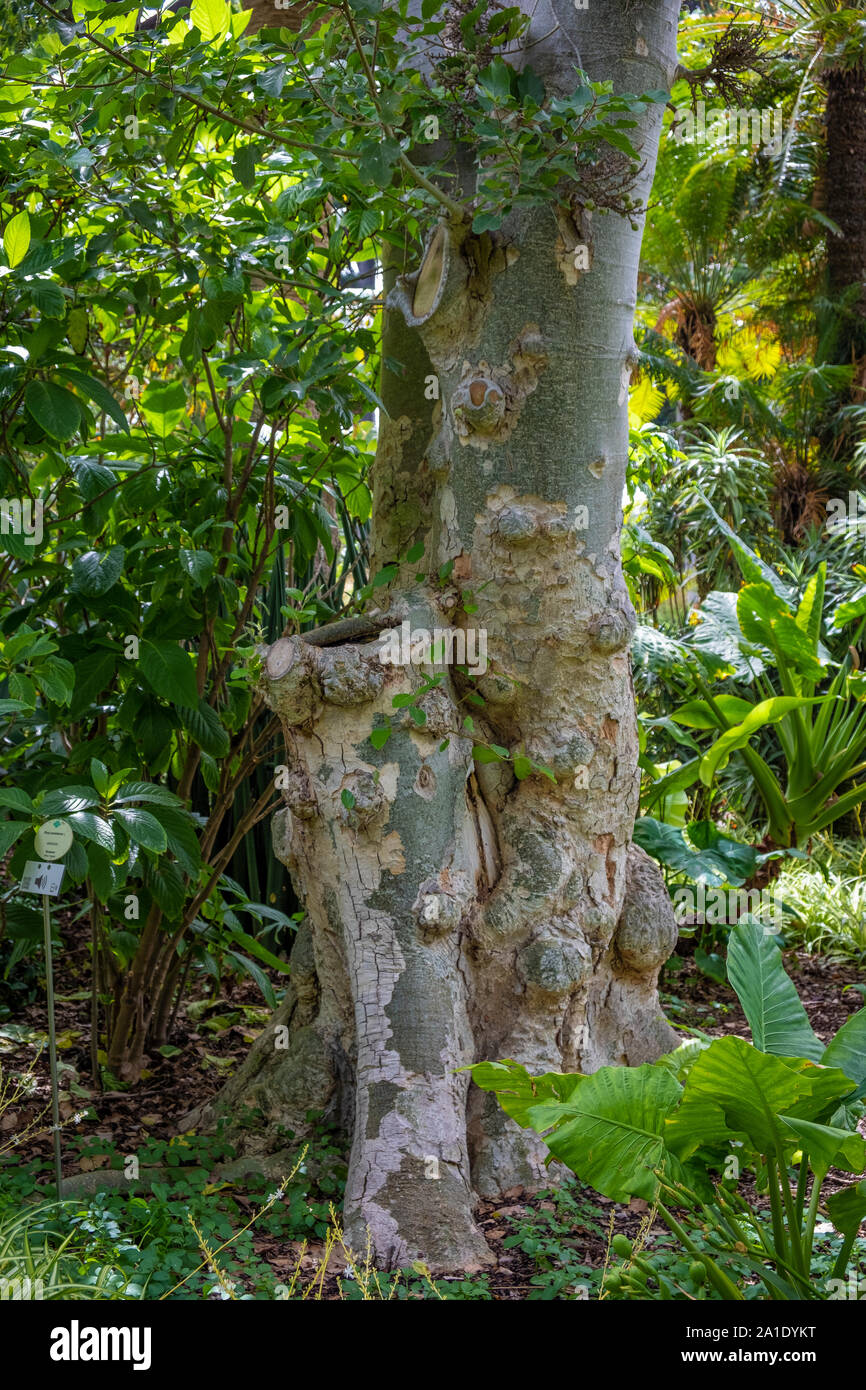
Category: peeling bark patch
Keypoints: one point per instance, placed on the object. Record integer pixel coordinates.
(463, 566)
(624, 383)
(574, 249)
(381, 1098)
(391, 856)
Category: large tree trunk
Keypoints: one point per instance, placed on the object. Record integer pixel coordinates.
(845, 181)
(453, 912)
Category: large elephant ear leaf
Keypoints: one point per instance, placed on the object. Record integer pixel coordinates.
(770, 1002)
(847, 1051)
(518, 1092)
(614, 1139)
(682, 1059)
(770, 711)
(828, 1147)
(733, 1090)
(848, 1208)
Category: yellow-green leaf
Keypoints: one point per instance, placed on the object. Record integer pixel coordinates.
(76, 329)
(16, 238)
(210, 17)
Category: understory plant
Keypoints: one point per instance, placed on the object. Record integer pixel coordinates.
(825, 901)
(40, 1258)
(682, 1132)
(816, 714)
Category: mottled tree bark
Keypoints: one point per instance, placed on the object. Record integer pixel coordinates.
(454, 913)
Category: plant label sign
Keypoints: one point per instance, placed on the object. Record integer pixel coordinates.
(41, 877)
(53, 839)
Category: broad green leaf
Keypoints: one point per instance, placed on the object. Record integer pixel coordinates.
(767, 621)
(847, 1208)
(244, 165)
(55, 679)
(847, 1050)
(16, 238)
(165, 881)
(256, 973)
(481, 753)
(198, 564)
(48, 298)
(718, 642)
(680, 1061)
(116, 780)
(211, 18)
(92, 674)
(698, 714)
(734, 1090)
(170, 672)
(828, 1147)
(99, 775)
(149, 792)
(100, 871)
(97, 393)
(89, 826)
(63, 800)
(767, 712)
(518, 1092)
(666, 790)
(53, 408)
(210, 772)
(378, 161)
(496, 79)
(852, 609)
(615, 1138)
(770, 1002)
(710, 964)
(182, 838)
(143, 828)
(715, 860)
(10, 832)
(77, 329)
(95, 572)
(736, 860)
(22, 689)
(204, 727)
(164, 406)
(811, 608)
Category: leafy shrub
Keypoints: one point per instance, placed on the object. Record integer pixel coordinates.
(662, 1131)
